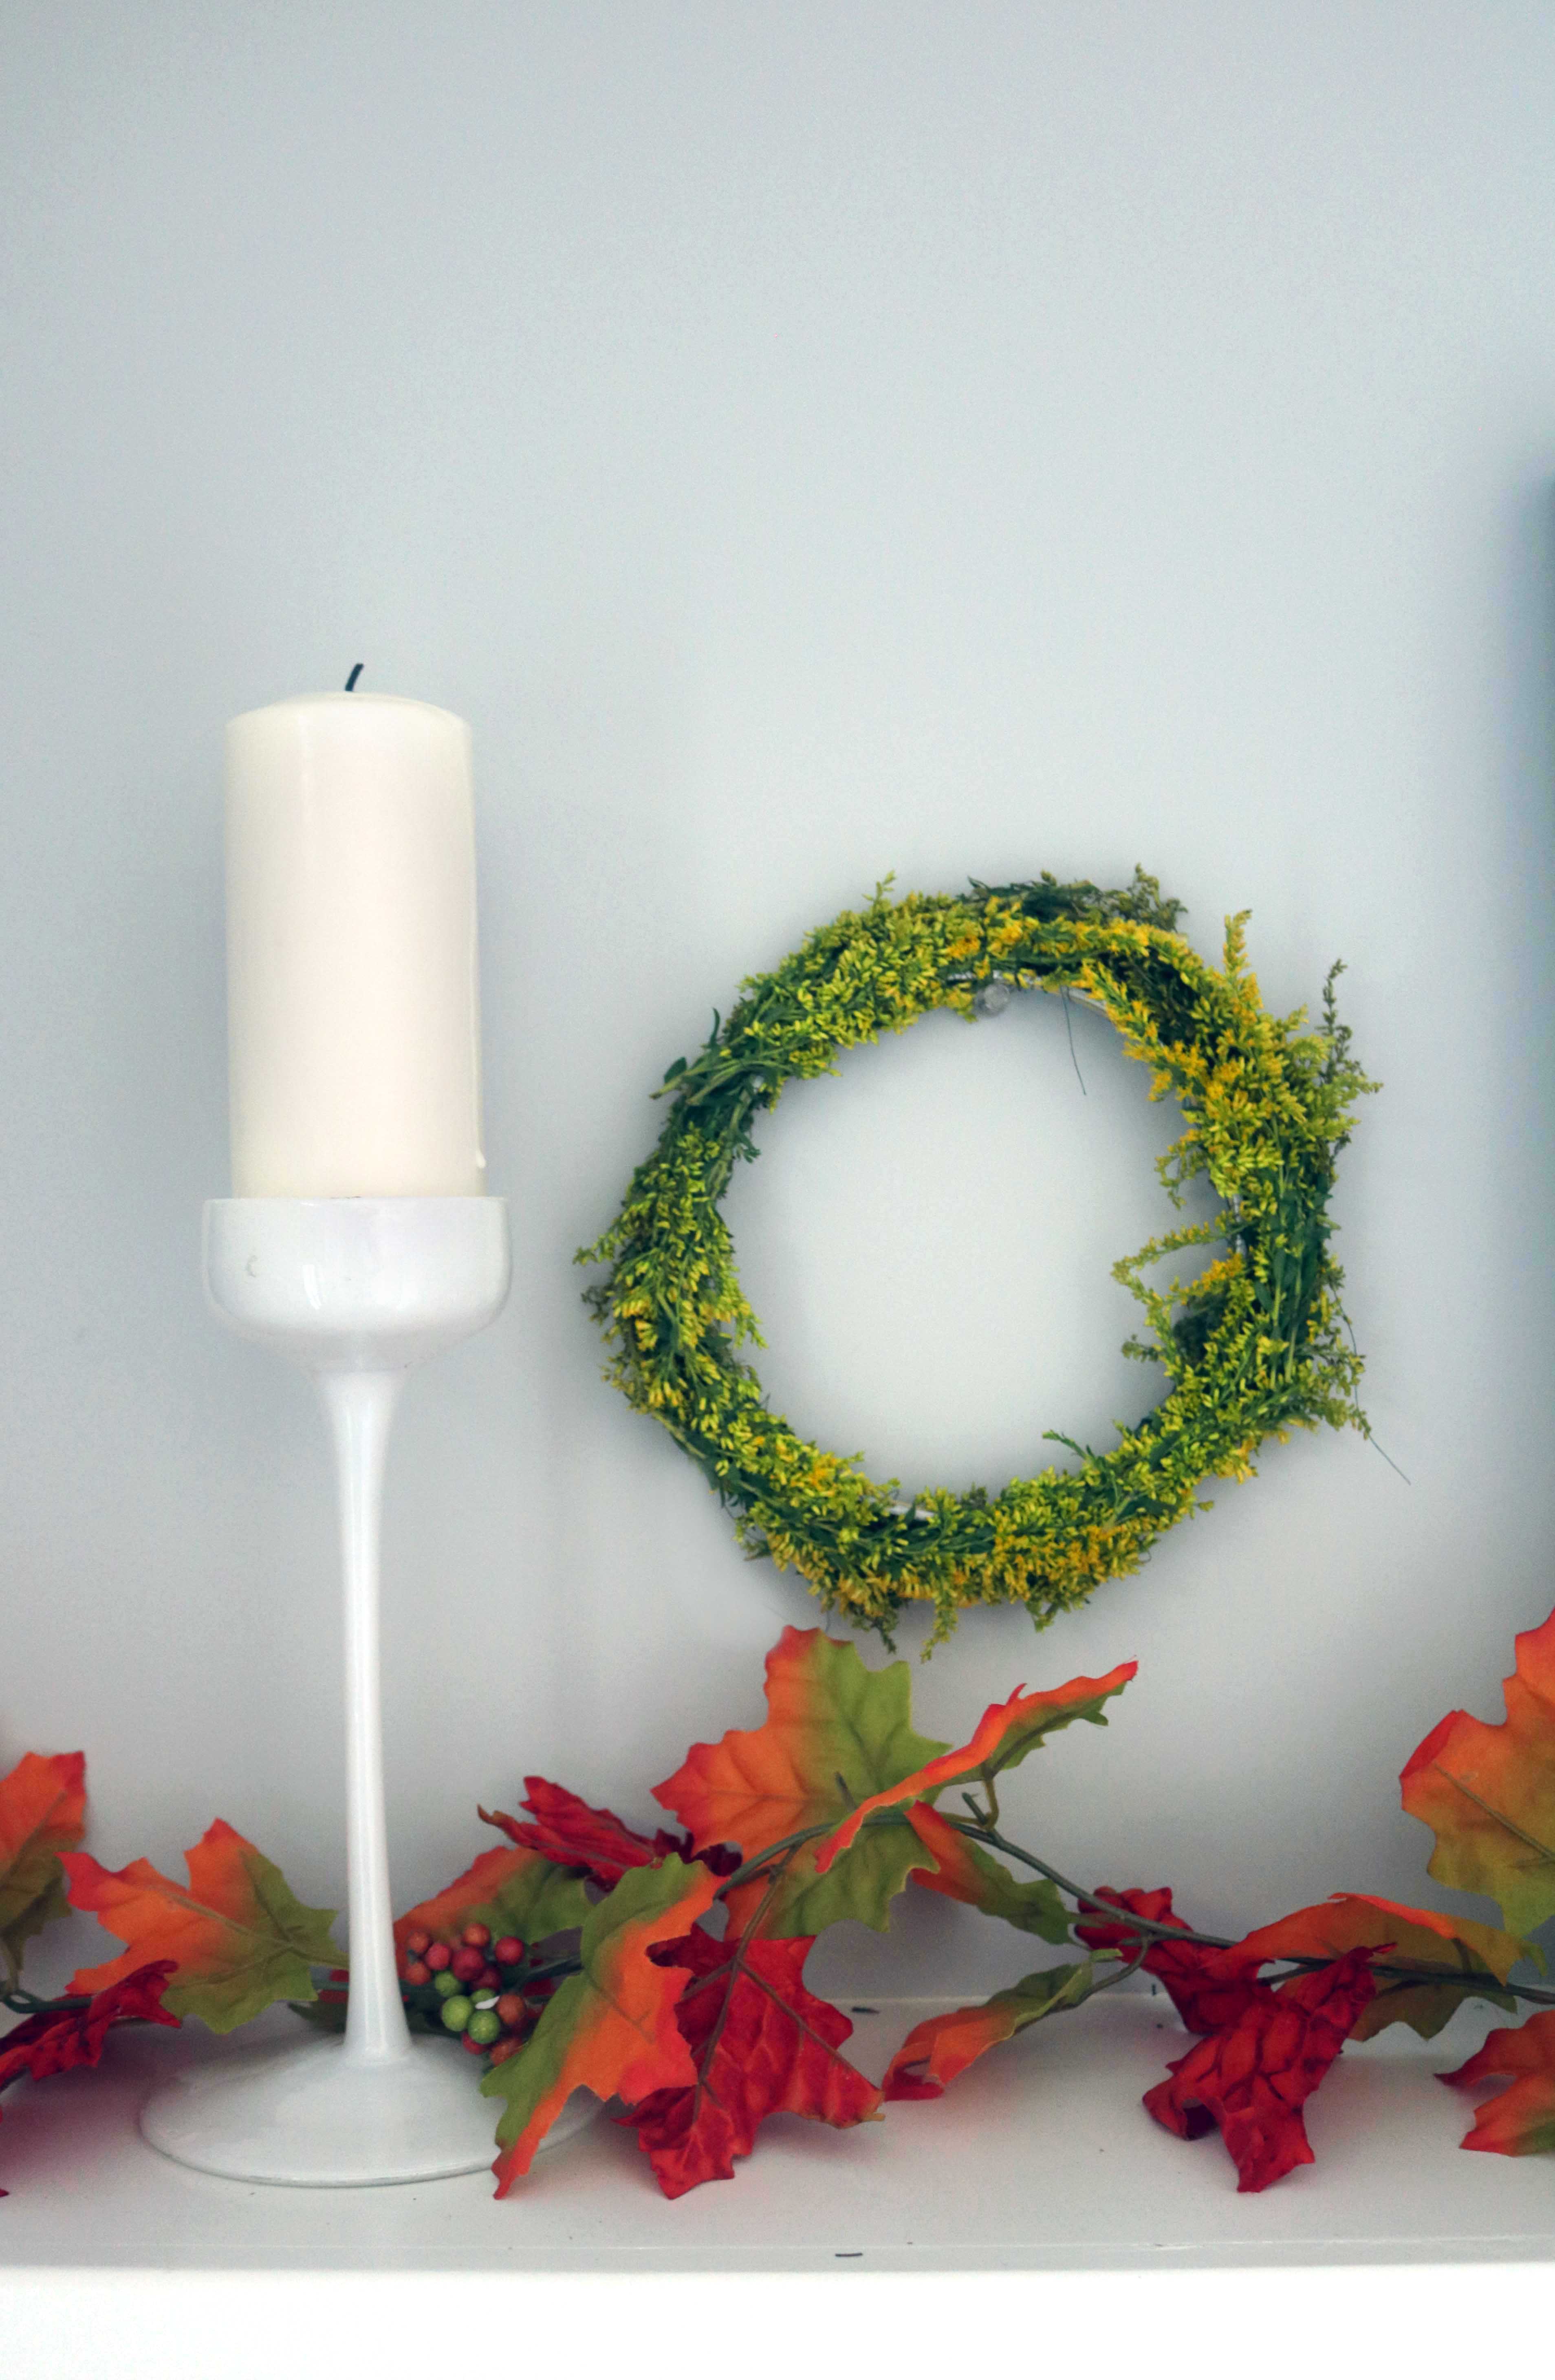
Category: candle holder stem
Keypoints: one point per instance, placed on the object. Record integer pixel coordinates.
(360, 1409)
(357, 1291)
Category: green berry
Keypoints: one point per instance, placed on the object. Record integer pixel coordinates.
(457, 2012)
(484, 2025)
(445, 1984)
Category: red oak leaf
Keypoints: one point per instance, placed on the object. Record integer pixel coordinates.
(762, 2045)
(1254, 2077)
(57, 2039)
(567, 1830)
(1207, 1988)
(1519, 2122)
(1002, 1739)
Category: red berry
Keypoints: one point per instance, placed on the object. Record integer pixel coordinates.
(438, 1957)
(475, 2048)
(417, 1940)
(477, 1936)
(508, 1951)
(467, 1964)
(488, 1980)
(505, 2049)
(418, 1972)
(511, 2009)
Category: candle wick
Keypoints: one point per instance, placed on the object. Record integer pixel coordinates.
(351, 681)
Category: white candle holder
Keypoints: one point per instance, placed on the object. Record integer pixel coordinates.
(357, 1291)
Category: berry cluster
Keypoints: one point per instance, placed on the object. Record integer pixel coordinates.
(481, 1990)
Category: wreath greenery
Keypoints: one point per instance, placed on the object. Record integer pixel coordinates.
(1256, 1342)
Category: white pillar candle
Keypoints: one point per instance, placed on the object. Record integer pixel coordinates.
(353, 1005)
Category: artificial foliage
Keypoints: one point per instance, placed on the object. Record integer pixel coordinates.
(665, 1970)
(1488, 1792)
(237, 1935)
(1252, 1344)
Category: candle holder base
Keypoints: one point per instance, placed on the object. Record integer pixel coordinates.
(316, 2118)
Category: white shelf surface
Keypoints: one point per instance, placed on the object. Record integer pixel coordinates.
(1040, 2162)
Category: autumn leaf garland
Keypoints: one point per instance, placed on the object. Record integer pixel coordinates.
(665, 1971)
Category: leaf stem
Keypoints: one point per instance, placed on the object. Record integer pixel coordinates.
(1123, 1974)
(759, 1859)
(1400, 1970)
(565, 1966)
(25, 2003)
(1148, 1925)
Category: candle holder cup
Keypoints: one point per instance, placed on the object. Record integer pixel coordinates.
(357, 1291)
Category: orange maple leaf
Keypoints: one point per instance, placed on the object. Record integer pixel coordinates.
(42, 1812)
(941, 2047)
(1488, 1792)
(965, 1872)
(610, 2029)
(517, 1892)
(1003, 1736)
(836, 1733)
(1472, 1960)
(1519, 2122)
(236, 1935)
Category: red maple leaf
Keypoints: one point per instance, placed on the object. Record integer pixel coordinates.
(761, 2045)
(1209, 1989)
(57, 2039)
(572, 1834)
(1253, 2076)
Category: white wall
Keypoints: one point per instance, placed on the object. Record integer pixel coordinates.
(807, 442)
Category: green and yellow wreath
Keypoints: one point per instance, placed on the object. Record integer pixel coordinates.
(1253, 1344)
